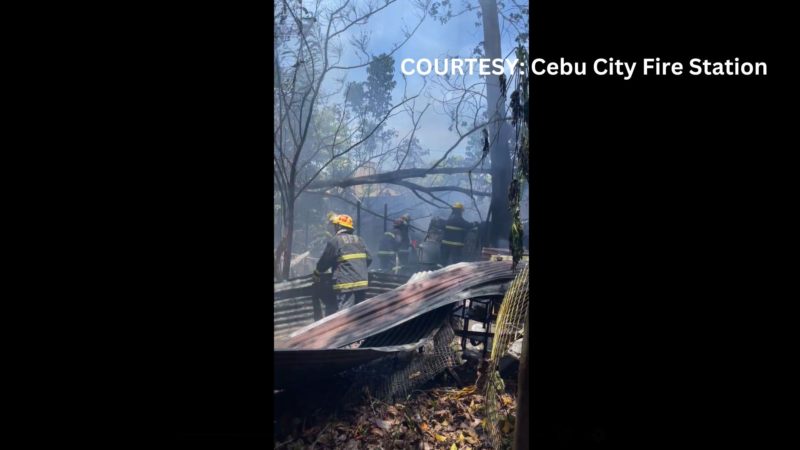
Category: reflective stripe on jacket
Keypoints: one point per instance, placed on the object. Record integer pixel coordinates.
(455, 231)
(452, 243)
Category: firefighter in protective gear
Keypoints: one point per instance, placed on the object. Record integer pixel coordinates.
(349, 258)
(455, 233)
(387, 249)
(404, 246)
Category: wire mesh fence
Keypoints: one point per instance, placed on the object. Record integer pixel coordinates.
(397, 376)
(509, 328)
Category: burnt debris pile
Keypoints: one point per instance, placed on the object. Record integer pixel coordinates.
(394, 341)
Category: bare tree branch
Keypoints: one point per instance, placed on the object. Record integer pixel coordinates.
(393, 50)
(413, 131)
(429, 189)
(348, 149)
(387, 177)
(452, 147)
(350, 202)
(429, 202)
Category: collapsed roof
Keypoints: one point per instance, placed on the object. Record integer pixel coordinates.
(392, 323)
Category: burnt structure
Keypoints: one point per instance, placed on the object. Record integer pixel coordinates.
(397, 339)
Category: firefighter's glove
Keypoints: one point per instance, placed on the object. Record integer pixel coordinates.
(315, 276)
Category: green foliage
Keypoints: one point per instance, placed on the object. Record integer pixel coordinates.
(519, 105)
(370, 101)
(515, 238)
(354, 96)
(379, 85)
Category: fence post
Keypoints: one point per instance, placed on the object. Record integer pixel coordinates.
(358, 218)
(279, 226)
(523, 407)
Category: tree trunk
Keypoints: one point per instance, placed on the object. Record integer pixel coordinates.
(499, 132)
(521, 431)
(288, 229)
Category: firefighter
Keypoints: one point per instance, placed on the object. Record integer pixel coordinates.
(455, 232)
(348, 256)
(387, 249)
(404, 247)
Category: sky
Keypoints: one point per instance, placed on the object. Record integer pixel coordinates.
(432, 40)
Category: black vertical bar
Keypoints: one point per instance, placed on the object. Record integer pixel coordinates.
(358, 218)
(465, 321)
(317, 302)
(487, 320)
(385, 215)
(280, 226)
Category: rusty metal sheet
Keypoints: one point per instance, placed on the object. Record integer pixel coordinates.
(422, 294)
(293, 366)
(304, 286)
(414, 331)
(392, 328)
(295, 305)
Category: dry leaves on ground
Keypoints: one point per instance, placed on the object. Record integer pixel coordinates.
(443, 418)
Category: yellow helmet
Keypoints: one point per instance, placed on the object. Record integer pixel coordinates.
(458, 205)
(343, 220)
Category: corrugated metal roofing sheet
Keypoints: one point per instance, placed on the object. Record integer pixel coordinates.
(422, 294)
(294, 305)
(414, 331)
(304, 365)
(393, 323)
(304, 286)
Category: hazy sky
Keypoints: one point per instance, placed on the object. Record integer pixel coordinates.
(432, 40)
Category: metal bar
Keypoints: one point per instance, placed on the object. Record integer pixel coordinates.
(289, 309)
(472, 334)
(486, 324)
(286, 305)
(279, 227)
(317, 302)
(305, 311)
(358, 218)
(465, 321)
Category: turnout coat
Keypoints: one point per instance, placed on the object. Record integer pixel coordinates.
(347, 254)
